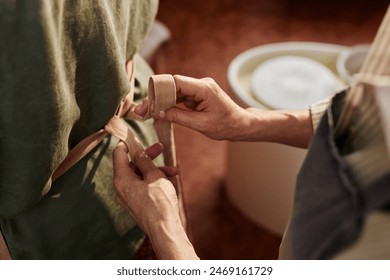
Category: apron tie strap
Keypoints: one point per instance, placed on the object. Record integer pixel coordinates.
(161, 96)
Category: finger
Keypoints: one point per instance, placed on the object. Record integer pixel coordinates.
(154, 150)
(120, 159)
(194, 88)
(142, 109)
(146, 166)
(169, 171)
(180, 116)
(123, 172)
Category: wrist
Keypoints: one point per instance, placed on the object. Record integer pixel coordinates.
(238, 125)
(243, 125)
(170, 241)
(289, 127)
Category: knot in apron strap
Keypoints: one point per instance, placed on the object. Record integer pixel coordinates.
(161, 95)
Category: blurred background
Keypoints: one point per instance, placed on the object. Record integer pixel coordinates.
(205, 36)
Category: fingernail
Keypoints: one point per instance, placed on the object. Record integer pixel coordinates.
(137, 109)
(161, 114)
(152, 108)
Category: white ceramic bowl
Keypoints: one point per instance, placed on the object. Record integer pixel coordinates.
(242, 68)
(293, 82)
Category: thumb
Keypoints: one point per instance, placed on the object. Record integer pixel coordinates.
(146, 166)
(120, 159)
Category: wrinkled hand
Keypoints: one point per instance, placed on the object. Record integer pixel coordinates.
(151, 199)
(207, 109)
(145, 191)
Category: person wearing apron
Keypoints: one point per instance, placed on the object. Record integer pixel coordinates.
(63, 75)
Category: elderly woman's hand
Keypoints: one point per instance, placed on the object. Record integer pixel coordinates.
(145, 191)
(151, 199)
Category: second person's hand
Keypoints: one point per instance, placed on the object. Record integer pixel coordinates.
(207, 109)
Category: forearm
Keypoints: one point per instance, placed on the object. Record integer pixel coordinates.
(290, 127)
(170, 241)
